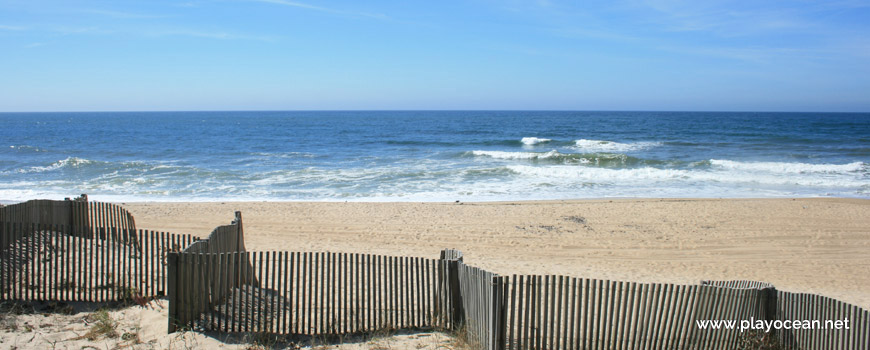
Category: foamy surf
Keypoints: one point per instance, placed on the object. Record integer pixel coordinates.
(518, 155)
(788, 168)
(531, 141)
(431, 156)
(612, 146)
(691, 177)
(70, 162)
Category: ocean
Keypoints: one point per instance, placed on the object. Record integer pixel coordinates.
(431, 155)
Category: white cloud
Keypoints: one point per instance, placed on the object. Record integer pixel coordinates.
(12, 28)
(730, 20)
(323, 9)
(120, 14)
(296, 4)
(219, 35)
(187, 4)
(77, 30)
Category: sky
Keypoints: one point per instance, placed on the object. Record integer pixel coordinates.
(90, 55)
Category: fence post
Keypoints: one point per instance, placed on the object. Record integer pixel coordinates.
(769, 312)
(498, 324)
(172, 290)
(72, 215)
(240, 236)
(457, 313)
(503, 287)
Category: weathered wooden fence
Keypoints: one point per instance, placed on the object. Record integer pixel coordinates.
(82, 218)
(75, 250)
(42, 262)
(223, 239)
(559, 312)
(482, 306)
(334, 293)
(803, 306)
(306, 293)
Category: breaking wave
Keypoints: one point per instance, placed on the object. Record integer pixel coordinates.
(788, 168)
(611, 146)
(554, 154)
(650, 175)
(531, 141)
(70, 162)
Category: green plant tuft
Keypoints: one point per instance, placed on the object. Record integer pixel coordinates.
(104, 326)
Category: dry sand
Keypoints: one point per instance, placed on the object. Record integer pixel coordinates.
(808, 245)
(145, 328)
(802, 245)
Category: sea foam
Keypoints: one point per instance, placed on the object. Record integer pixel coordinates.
(647, 175)
(517, 155)
(554, 154)
(63, 163)
(790, 168)
(531, 141)
(429, 156)
(611, 146)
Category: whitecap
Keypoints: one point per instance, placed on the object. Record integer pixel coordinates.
(789, 168)
(611, 146)
(531, 141)
(518, 155)
(68, 162)
(27, 148)
(648, 175)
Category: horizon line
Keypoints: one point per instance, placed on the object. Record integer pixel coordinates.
(434, 110)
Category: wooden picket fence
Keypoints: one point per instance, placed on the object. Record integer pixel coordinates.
(561, 312)
(223, 239)
(82, 218)
(804, 306)
(76, 250)
(305, 293)
(336, 293)
(53, 263)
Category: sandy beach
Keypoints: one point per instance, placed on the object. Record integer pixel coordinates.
(807, 245)
(802, 245)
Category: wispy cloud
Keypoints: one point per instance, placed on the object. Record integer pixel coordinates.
(750, 32)
(187, 4)
(12, 28)
(33, 45)
(78, 30)
(757, 55)
(145, 32)
(751, 19)
(306, 6)
(297, 4)
(217, 35)
(592, 33)
(121, 14)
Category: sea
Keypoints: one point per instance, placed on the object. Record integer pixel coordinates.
(431, 156)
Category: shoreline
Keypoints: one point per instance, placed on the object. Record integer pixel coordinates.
(124, 201)
(813, 245)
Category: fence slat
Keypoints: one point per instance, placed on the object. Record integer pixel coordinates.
(330, 293)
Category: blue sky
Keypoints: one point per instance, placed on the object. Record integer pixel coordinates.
(476, 54)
